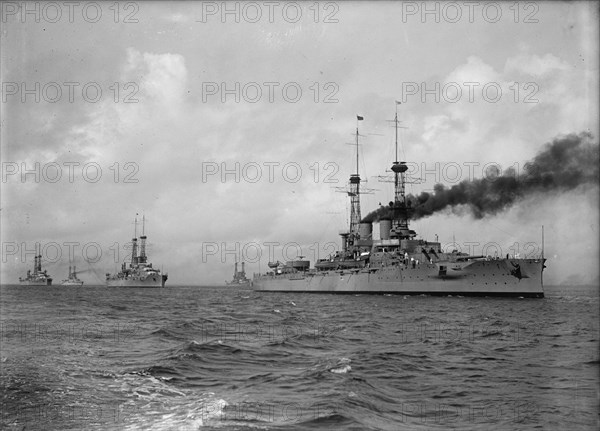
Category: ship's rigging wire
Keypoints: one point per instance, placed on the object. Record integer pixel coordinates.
(93, 271)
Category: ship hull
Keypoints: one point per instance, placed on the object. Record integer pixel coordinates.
(35, 282)
(72, 283)
(152, 281)
(482, 278)
(244, 284)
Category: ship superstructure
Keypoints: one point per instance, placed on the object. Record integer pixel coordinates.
(72, 280)
(37, 277)
(399, 262)
(139, 272)
(239, 277)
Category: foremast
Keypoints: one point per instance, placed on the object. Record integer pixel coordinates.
(354, 194)
(350, 239)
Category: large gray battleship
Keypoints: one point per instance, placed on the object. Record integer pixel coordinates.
(399, 262)
(37, 277)
(140, 272)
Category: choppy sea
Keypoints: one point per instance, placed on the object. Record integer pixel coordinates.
(188, 358)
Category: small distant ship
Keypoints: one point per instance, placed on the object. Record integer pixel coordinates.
(37, 277)
(72, 280)
(140, 272)
(399, 262)
(239, 277)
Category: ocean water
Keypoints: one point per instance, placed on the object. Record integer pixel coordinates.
(188, 358)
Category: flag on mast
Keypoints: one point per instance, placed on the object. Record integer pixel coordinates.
(398, 103)
(359, 118)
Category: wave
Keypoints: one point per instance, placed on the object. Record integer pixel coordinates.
(326, 422)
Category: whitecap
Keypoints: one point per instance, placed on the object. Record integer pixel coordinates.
(341, 370)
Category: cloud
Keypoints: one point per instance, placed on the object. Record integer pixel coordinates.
(163, 76)
(535, 65)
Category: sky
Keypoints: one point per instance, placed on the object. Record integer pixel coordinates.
(228, 127)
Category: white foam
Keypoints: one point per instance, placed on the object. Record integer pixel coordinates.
(344, 369)
(341, 370)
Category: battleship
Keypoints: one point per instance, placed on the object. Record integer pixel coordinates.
(140, 272)
(399, 262)
(37, 277)
(239, 277)
(72, 280)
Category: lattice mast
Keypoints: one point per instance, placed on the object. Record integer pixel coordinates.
(401, 209)
(134, 257)
(354, 191)
(143, 258)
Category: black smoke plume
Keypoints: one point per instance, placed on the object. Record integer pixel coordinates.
(563, 164)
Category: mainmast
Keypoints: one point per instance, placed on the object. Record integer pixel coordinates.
(398, 171)
(401, 208)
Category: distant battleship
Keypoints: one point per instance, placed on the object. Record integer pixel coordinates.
(38, 277)
(239, 277)
(397, 262)
(140, 273)
(72, 280)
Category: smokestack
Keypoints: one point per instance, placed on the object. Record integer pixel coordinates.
(365, 230)
(385, 226)
(344, 241)
(235, 270)
(243, 272)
